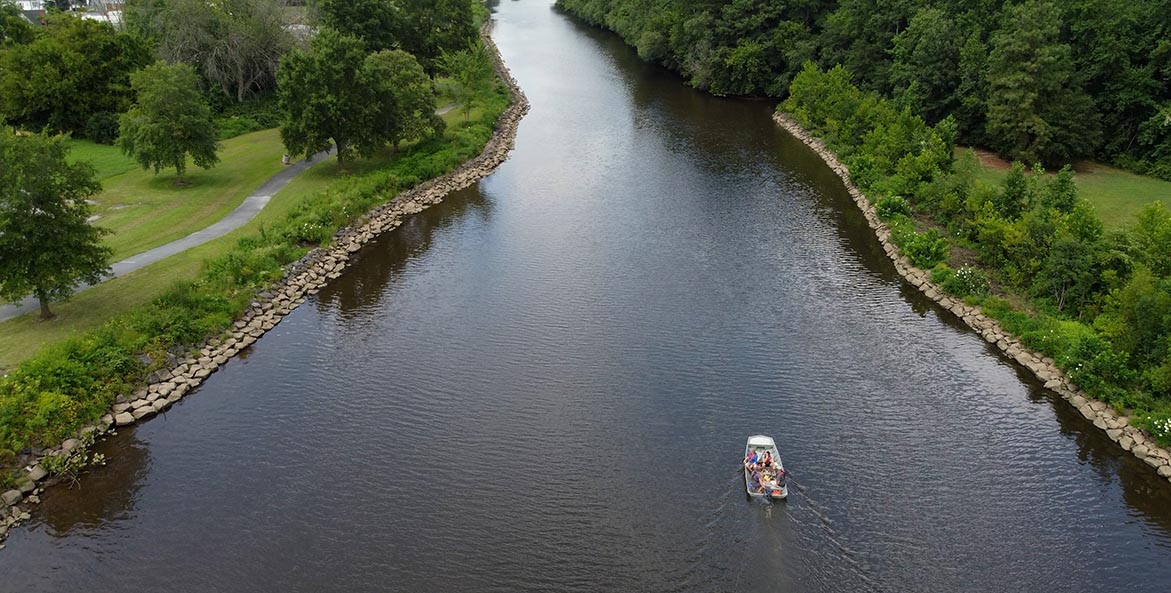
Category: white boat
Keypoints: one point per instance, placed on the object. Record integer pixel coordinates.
(773, 478)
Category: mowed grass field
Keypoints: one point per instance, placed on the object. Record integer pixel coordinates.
(143, 210)
(1117, 195)
(22, 337)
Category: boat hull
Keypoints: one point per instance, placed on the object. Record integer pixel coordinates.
(762, 444)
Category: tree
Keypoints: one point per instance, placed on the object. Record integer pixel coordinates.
(235, 44)
(46, 244)
(14, 30)
(927, 60)
(422, 28)
(169, 121)
(1037, 110)
(430, 27)
(406, 94)
(336, 92)
(75, 70)
(375, 22)
(1061, 193)
(471, 72)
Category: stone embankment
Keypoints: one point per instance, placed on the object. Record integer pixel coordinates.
(302, 279)
(1116, 426)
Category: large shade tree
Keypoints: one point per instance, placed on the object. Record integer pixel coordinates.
(1037, 110)
(47, 245)
(74, 70)
(337, 93)
(235, 44)
(422, 28)
(169, 122)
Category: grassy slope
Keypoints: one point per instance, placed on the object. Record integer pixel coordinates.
(22, 337)
(145, 210)
(1117, 195)
(107, 160)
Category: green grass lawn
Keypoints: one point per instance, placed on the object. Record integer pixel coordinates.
(107, 160)
(144, 210)
(22, 337)
(1116, 195)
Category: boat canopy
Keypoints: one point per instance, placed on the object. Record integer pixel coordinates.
(760, 441)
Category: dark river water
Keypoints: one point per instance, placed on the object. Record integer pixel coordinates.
(545, 384)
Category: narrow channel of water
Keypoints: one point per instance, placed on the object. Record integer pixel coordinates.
(545, 383)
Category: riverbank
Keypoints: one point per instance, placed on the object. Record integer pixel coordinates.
(1116, 426)
(302, 278)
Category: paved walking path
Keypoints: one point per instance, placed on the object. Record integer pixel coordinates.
(235, 219)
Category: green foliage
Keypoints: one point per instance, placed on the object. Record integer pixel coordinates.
(968, 281)
(1099, 303)
(74, 69)
(468, 70)
(337, 92)
(170, 121)
(50, 396)
(1158, 425)
(73, 463)
(1038, 80)
(925, 250)
(927, 63)
(407, 96)
(235, 45)
(102, 128)
(423, 28)
(14, 30)
(46, 243)
(1037, 110)
(238, 118)
(888, 207)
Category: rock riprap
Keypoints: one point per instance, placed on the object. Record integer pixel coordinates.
(1116, 426)
(302, 279)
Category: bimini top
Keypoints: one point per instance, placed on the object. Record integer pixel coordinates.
(760, 440)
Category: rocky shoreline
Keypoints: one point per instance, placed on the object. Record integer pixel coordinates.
(302, 279)
(1116, 426)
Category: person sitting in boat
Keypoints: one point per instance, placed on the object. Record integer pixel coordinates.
(757, 480)
(767, 460)
(750, 460)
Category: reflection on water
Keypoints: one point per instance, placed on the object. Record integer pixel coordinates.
(544, 384)
(102, 496)
(364, 286)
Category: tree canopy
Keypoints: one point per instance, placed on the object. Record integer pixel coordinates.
(1038, 80)
(336, 92)
(235, 45)
(422, 28)
(72, 71)
(169, 121)
(46, 243)
(470, 71)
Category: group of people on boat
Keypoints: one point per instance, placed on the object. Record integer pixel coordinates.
(765, 474)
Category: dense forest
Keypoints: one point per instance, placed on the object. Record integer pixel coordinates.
(1036, 81)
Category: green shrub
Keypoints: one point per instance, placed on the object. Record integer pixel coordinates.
(102, 128)
(1157, 424)
(1099, 370)
(925, 250)
(890, 206)
(237, 125)
(967, 281)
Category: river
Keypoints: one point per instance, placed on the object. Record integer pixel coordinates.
(545, 383)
